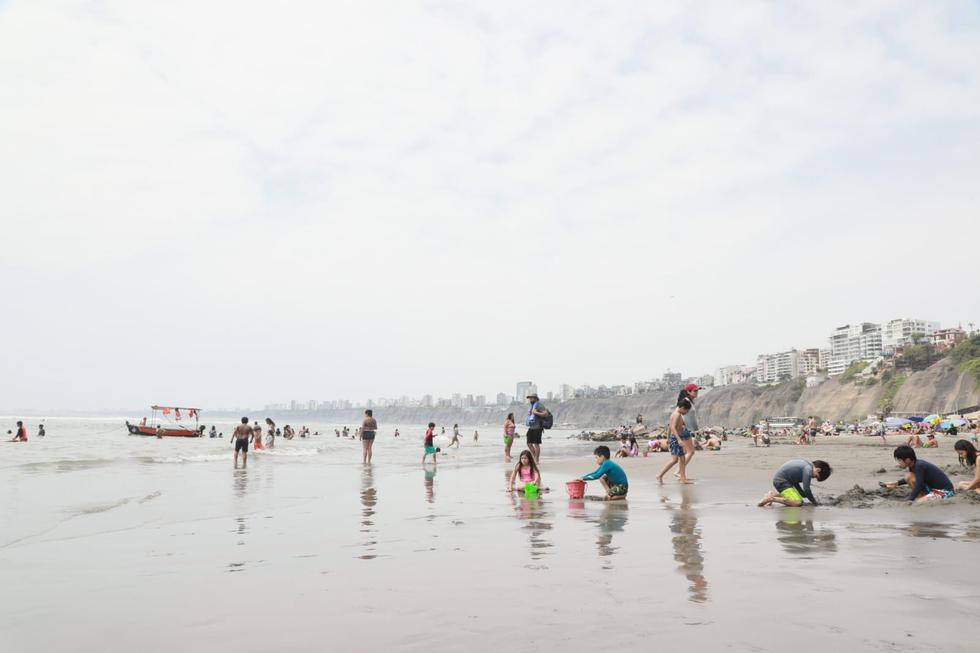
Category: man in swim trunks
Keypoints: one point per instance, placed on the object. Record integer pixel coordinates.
(242, 433)
(792, 482)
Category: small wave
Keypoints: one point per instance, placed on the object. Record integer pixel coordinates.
(288, 452)
(203, 458)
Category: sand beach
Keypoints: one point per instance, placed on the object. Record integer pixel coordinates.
(128, 542)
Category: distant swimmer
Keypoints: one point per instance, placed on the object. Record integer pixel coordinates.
(20, 435)
(242, 433)
(256, 437)
(476, 436)
(159, 432)
(396, 433)
(213, 433)
(40, 430)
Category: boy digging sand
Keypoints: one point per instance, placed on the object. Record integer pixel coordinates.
(677, 433)
(611, 475)
(792, 482)
(927, 480)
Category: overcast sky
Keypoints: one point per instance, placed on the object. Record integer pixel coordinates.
(228, 203)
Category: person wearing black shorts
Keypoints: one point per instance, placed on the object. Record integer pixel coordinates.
(534, 429)
(242, 433)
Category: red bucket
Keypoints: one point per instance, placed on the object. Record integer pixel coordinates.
(576, 489)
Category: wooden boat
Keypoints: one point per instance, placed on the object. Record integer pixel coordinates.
(154, 427)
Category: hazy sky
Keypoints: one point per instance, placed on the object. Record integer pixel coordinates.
(229, 203)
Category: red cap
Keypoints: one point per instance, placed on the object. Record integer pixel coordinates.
(691, 387)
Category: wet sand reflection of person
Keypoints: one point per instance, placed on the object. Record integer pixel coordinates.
(429, 483)
(686, 540)
(369, 499)
(800, 537)
(612, 518)
(535, 513)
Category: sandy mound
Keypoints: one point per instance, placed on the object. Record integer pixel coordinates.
(859, 497)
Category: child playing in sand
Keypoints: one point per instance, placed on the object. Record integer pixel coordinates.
(676, 434)
(611, 475)
(968, 455)
(430, 447)
(927, 481)
(792, 482)
(526, 470)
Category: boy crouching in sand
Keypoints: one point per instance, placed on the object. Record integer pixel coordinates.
(926, 480)
(792, 482)
(611, 475)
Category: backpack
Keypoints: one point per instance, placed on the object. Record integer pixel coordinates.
(546, 421)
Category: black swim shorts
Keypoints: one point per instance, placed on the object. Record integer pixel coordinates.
(534, 436)
(367, 435)
(241, 444)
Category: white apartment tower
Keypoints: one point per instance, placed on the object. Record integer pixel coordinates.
(853, 342)
(898, 332)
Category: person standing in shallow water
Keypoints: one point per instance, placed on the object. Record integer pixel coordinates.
(241, 436)
(369, 427)
(256, 437)
(535, 430)
(271, 441)
(509, 429)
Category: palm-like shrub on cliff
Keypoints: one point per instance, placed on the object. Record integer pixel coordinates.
(917, 357)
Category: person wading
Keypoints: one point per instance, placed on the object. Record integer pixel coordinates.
(368, 428)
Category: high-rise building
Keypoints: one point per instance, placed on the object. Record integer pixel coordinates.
(853, 342)
(503, 399)
(567, 392)
(898, 332)
(672, 379)
(480, 401)
(774, 368)
(733, 374)
(810, 362)
(524, 388)
(427, 401)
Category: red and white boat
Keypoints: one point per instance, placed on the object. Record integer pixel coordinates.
(168, 424)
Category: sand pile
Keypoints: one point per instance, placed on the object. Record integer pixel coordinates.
(859, 497)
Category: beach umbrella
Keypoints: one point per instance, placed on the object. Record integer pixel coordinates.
(933, 419)
(916, 419)
(895, 422)
(957, 421)
(945, 424)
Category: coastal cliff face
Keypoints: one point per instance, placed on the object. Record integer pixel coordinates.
(939, 389)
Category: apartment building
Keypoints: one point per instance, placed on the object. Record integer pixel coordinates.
(898, 332)
(774, 368)
(853, 342)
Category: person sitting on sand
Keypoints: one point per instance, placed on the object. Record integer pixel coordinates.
(527, 471)
(677, 433)
(927, 480)
(712, 443)
(611, 475)
(968, 455)
(914, 441)
(792, 482)
(931, 442)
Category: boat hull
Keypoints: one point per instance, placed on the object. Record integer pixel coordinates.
(136, 429)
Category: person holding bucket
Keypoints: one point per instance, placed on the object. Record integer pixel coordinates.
(611, 475)
(527, 471)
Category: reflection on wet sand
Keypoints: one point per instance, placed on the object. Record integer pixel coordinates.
(535, 513)
(429, 483)
(801, 538)
(369, 499)
(240, 482)
(687, 545)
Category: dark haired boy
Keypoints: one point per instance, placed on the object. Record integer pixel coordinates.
(927, 480)
(429, 444)
(611, 475)
(792, 482)
(677, 435)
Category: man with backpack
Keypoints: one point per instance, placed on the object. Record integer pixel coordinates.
(538, 418)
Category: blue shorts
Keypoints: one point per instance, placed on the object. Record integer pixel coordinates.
(685, 435)
(675, 447)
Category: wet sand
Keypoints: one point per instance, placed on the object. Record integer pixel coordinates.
(313, 552)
